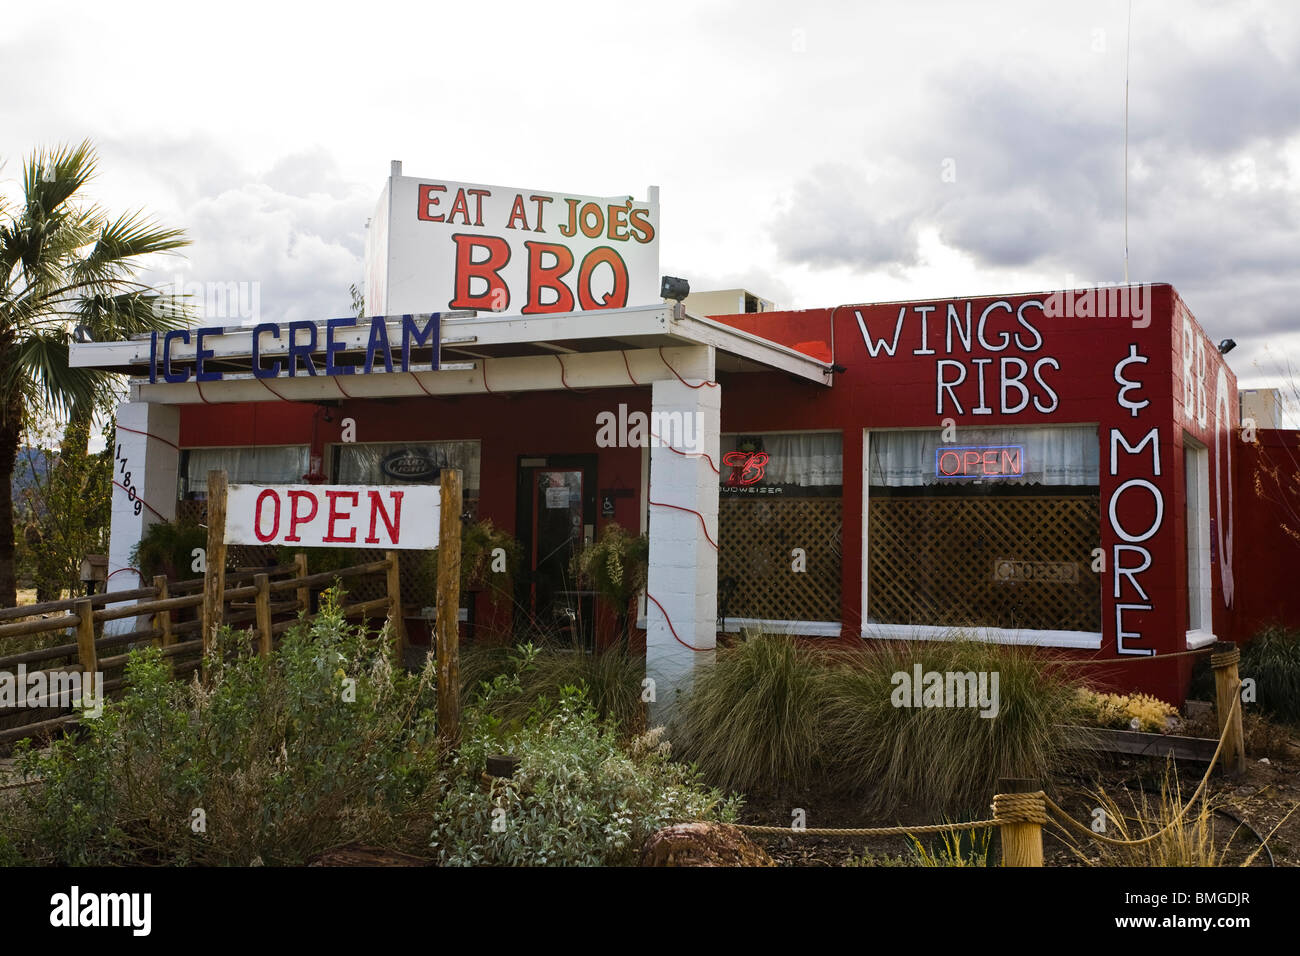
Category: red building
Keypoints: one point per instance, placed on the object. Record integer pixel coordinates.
(1064, 470)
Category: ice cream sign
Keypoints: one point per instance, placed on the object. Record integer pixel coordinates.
(436, 245)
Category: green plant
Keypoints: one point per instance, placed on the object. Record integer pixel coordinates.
(576, 798)
(615, 566)
(610, 679)
(271, 760)
(1272, 658)
(752, 720)
(946, 758)
(65, 261)
(167, 548)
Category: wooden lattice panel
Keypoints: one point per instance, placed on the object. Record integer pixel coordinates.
(756, 536)
(992, 562)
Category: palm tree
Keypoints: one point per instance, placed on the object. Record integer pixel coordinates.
(64, 262)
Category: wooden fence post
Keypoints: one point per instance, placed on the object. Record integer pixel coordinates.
(1021, 812)
(304, 592)
(447, 625)
(86, 655)
(162, 620)
(214, 573)
(263, 609)
(395, 606)
(1227, 687)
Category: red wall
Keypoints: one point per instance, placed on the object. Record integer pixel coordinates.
(1077, 360)
(1267, 591)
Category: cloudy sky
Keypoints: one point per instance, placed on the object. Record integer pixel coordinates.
(815, 152)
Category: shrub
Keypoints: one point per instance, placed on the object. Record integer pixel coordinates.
(576, 797)
(752, 720)
(273, 759)
(167, 548)
(770, 714)
(943, 758)
(1272, 658)
(1123, 711)
(611, 679)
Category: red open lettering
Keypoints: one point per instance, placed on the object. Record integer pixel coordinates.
(377, 511)
(295, 518)
(335, 514)
(275, 515)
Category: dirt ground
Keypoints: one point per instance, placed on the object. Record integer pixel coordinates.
(1261, 798)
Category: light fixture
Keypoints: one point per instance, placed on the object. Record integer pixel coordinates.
(81, 335)
(1227, 345)
(671, 287)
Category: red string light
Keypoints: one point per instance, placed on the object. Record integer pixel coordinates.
(673, 630)
(141, 500)
(269, 389)
(703, 525)
(679, 378)
(687, 454)
(136, 431)
(623, 352)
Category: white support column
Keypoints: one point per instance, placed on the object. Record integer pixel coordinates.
(145, 458)
(683, 573)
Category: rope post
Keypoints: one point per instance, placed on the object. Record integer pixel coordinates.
(1020, 811)
(1227, 685)
(395, 605)
(263, 609)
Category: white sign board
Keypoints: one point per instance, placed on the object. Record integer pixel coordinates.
(334, 516)
(435, 245)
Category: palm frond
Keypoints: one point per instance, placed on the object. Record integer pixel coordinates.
(38, 369)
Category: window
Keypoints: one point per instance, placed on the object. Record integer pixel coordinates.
(1197, 525)
(387, 463)
(779, 521)
(993, 530)
(259, 465)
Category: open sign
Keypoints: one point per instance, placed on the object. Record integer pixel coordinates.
(980, 461)
(334, 516)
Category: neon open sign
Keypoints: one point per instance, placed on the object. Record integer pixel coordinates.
(980, 461)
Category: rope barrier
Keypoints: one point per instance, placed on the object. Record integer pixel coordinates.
(1010, 808)
(873, 831)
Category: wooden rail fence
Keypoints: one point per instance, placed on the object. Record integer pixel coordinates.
(257, 597)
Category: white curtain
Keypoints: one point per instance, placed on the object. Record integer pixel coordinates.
(1055, 455)
(805, 459)
(262, 465)
(361, 464)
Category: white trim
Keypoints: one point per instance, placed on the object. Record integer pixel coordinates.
(801, 628)
(1201, 527)
(1197, 639)
(866, 515)
(1078, 640)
